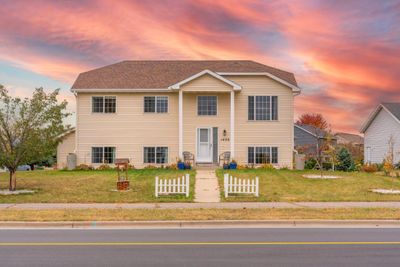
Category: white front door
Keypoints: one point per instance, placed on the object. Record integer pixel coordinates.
(204, 145)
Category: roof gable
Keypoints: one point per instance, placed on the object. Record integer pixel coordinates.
(178, 85)
(392, 108)
(316, 132)
(163, 74)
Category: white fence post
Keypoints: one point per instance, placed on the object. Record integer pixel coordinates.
(257, 187)
(187, 185)
(156, 186)
(226, 177)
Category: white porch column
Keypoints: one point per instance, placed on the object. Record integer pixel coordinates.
(232, 124)
(180, 123)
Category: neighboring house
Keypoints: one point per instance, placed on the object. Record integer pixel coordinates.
(306, 138)
(382, 125)
(349, 139)
(153, 111)
(66, 146)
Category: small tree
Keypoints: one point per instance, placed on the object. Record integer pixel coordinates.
(29, 129)
(345, 161)
(388, 162)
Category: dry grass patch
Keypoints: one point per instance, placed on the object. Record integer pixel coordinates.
(199, 214)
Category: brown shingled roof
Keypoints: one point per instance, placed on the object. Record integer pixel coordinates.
(161, 74)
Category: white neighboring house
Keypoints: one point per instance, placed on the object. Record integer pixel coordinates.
(382, 124)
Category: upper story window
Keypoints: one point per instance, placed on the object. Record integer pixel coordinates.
(103, 154)
(263, 108)
(207, 105)
(156, 104)
(104, 104)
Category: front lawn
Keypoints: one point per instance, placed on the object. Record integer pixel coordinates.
(90, 186)
(290, 186)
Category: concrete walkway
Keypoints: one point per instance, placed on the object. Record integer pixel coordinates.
(220, 205)
(206, 188)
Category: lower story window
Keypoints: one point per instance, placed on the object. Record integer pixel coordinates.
(103, 154)
(262, 154)
(157, 154)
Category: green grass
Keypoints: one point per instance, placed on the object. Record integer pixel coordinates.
(199, 214)
(90, 187)
(290, 186)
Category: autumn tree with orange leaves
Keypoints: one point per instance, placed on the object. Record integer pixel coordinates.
(313, 119)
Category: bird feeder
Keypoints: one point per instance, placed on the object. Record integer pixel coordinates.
(122, 170)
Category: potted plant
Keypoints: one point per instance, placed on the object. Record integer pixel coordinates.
(187, 166)
(233, 165)
(225, 166)
(181, 164)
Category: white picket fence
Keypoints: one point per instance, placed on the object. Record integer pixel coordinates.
(233, 185)
(170, 186)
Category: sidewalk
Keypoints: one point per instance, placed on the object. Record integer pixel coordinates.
(206, 189)
(218, 205)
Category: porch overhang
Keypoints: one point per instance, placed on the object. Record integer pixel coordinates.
(177, 86)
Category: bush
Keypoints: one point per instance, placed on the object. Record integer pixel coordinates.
(345, 161)
(379, 166)
(83, 167)
(327, 165)
(104, 167)
(150, 167)
(310, 164)
(266, 166)
(369, 168)
(172, 166)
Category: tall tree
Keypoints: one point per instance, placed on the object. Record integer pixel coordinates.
(30, 128)
(313, 119)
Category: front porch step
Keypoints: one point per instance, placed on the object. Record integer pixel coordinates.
(206, 166)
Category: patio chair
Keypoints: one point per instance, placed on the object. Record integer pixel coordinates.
(188, 158)
(225, 158)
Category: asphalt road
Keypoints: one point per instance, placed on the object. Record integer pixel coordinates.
(201, 247)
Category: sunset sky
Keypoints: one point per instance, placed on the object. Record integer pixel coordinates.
(345, 54)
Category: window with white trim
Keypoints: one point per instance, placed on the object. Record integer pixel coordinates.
(156, 104)
(104, 104)
(158, 155)
(262, 155)
(103, 154)
(207, 105)
(262, 108)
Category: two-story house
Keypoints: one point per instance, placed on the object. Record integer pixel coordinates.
(153, 111)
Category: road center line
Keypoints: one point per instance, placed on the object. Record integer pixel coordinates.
(193, 243)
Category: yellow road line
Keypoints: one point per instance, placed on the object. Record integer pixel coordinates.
(190, 243)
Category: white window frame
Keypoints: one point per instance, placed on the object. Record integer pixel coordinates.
(104, 104)
(155, 103)
(103, 152)
(155, 155)
(197, 106)
(254, 154)
(270, 108)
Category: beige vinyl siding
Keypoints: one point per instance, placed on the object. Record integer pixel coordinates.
(129, 129)
(263, 133)
(191, 121)
(206, 83)
(64, 148)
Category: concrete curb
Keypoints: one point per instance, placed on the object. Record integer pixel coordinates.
(203, 224)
